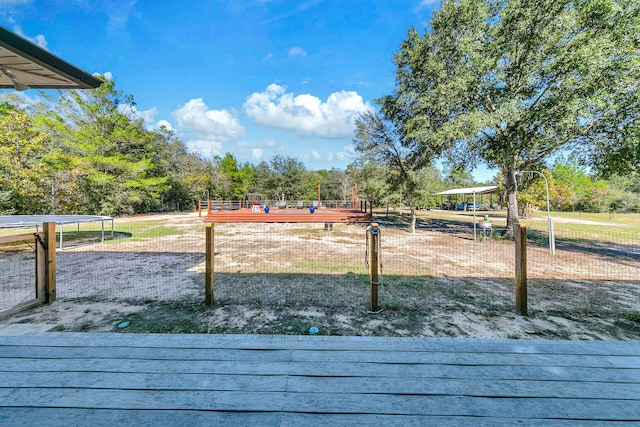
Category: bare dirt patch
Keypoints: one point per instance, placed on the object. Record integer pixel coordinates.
(287, 278)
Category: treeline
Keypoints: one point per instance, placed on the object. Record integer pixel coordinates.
(572, 189)
(88, 153)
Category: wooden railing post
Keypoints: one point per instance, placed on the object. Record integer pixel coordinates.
(374, 265)
(49, 229)
(521, 270)
(209, 271)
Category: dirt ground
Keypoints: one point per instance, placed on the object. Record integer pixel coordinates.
(288, 278)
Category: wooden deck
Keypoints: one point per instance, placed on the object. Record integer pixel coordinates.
(63, 379)
(327, 215)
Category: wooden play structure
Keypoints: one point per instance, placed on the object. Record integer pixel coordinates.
(257, 208)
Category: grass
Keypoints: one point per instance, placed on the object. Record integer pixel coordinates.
(628, 222)
(337, 266)
(623, 227)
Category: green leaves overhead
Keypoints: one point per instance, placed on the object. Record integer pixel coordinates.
(513, 82)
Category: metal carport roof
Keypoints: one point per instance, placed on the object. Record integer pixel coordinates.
(25, 65)
(471, 190)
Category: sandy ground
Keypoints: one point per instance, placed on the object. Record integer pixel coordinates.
(287, 278)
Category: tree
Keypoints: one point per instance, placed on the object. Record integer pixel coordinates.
(378, 140)
(429, 183)
(567, 172)
(286, 178)
(22, 164)
(229, 166)
(457, 176)
(114, 154)
(512, 82)
(371, 179)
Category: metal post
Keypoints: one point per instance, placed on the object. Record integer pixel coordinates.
(474, 219)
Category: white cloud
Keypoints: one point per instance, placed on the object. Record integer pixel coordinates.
(316, 154)
(270, 143)
(257, 153)
(164, 123)
(107, 75)
(347, 153)
(148, 116)
(38, 39)
(306, 114)
(297, 51)
(9, 3)
(205, 130)
(197, 120)
(41, 41)
(205, 148)
(119, 14)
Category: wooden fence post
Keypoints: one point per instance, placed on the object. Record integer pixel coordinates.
(209, 272)
(49, 229)
(374, 265)
(521, 270)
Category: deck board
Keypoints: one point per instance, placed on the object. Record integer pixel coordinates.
(152, 379)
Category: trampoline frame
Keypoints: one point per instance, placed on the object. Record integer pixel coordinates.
(21, 221)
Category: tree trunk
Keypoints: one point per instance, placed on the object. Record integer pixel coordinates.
(512, 202)
(413, 217)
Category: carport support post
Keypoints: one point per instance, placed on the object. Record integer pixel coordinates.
(209, 272)
(49, 229)
(374, 272)
(521, 269)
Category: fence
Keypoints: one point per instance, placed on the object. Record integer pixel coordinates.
(27, 269)
(296, 266)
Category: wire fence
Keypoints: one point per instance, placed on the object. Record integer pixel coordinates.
(598, 271)
(17, 274)
(305, 265)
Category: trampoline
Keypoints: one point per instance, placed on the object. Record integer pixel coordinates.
(21, 221)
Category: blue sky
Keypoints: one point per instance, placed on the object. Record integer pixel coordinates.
(255, 77)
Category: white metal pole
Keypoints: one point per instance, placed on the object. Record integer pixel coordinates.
(474, 217)
(552, 243)
(550, 230)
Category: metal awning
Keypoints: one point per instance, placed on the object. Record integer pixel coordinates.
(471, 190)
(474, 191)
(25, 65)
